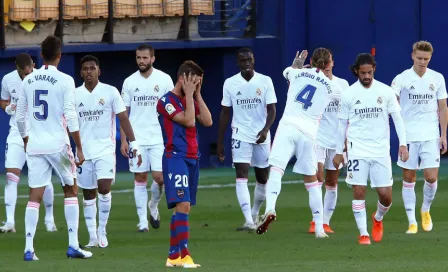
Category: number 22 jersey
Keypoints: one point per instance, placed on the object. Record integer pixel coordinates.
(309, 93)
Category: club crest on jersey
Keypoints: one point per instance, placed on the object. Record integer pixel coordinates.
(156, 88)
(258, 91)
(101, 102)
(350, 175)
(431, 87)
(379, 100)
(170, 108)
(180, 193)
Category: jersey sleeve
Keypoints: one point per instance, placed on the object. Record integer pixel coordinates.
(344, 107)
(271, 98)
(344, 84)
(168, 108)
(392, 104)
(441, 91)
(4, 92)
(125, 94)
(21, 111)
(117, 102)
(396, 85)
(226, 98)
(69, 106)
(169, 85)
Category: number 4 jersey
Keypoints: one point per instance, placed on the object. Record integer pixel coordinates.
(309, 93)
(47, 98)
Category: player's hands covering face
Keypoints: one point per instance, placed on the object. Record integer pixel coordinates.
(189, 84)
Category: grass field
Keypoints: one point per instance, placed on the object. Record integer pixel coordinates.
(216, 245)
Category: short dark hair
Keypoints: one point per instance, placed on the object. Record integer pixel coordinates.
(144, 47)
(321, 58)
(244, 50)
(90, 58)
(190, 66)
(51, 48)
(362, 59)
(23, 60)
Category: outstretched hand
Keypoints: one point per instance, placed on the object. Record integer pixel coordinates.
(299, 60)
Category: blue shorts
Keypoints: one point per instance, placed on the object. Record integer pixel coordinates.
(181, 178)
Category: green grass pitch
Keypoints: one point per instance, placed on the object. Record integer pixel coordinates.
(216, 245)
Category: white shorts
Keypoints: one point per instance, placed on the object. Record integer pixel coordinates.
(257, 155)
(379, 169)
(422, 155)
(40, 166)
(15, 156)
(326, 155)
(99, 168)
(151, 159)
(290, 141)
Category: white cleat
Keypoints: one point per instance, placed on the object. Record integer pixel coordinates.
(51, 227)
(143, 227)
(321, 235)
(7, 227)
(102, 240)
(250, 227)
(92, 243)
(257, 219)
(30, 256)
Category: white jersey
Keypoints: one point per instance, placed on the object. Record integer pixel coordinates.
(328, 126)
(141, 95)
(248, 100)
(367, 111)
(96, 115)
(309, 93)
(419, 102)
(47, 98)
(11, 83)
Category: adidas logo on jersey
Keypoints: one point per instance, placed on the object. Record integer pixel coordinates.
(358, 102)
(111, 170)
(81, 105)
(239, 93)
(412, 88)
(13, 91)
(137, 90)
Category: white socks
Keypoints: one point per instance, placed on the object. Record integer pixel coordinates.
(259, 197)
(409, 200)
(31, 219)
(48, 200)
(243, 195)
(71, 210)
(90, 217)
(381, 210)
(330, 199)
(273, 188)
(141, 201)
(104, 206)
(156, 196)
(429, 192)
(11, 196)
(359, 210)
(315, 202)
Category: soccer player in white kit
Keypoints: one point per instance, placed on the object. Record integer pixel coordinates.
(366, 106)
(309, 93)
(140, 92)
(251, 95)
(326, 150)
(47, 100)
(97, 104)
(14, 152)
(422, 95)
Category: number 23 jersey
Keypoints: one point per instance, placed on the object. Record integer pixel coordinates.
(309, 93)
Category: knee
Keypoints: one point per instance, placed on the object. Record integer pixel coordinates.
(183, 207)
(158, 177)
(262, 178)
(70, 191)
(431, 178)
(141, 177)
(331, 180)
(89, 194)
(385, 200)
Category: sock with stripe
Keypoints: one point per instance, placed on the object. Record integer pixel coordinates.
(273, 188)
(243, 195)
(90, 217)
(48, 199)
(31, 219)
(359, 210)
(12, 181)
(141, 201)
(182, 232)
(316, 205)
(429, 192)
(330, 199)
(381, 210)
(71, 210)
(409, 200)
(173, 254)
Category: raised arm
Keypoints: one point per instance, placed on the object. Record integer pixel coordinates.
(204, 117)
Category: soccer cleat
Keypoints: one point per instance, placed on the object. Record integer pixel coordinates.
(364, 240)
(154, 220)
(142, 227)
(78, 253)
(413, 229)
(174, 263)
(312, 228)
(102, 240)
(257, 219)
(267, 219)
(51, 227)
(30, 256)
(321, 235)
(7, 227)
(92, 243)
(377, 229)
(187, 262)
(426, 221)
(327, 229)
(250, 227)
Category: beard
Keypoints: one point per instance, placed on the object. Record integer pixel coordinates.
(146, 69)
(366, 82)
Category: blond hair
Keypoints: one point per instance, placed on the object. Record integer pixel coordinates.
(422, 46)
